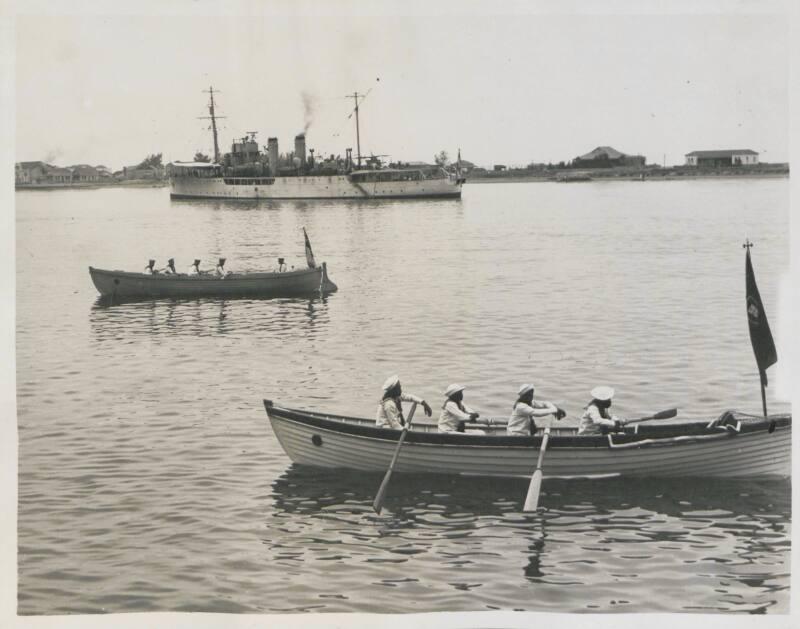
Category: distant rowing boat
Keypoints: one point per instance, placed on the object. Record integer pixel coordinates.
(747, 447)
(126, 285)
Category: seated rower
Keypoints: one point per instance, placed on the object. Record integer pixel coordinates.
(170, 268)
(521, 422)
(596, 419)
(195, 269)
(454, 412)
(149, 270)
(390, 408)
(220, 268)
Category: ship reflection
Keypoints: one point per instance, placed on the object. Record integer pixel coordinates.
(248, 205)
(209, 317)
(233, 205)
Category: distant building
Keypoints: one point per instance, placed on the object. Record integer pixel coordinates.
(607, 157)
(84, 173)
(30, 172)
(735, 157)
(499, 167)
(40, 173)
(59, 175)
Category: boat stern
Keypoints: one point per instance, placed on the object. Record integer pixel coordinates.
(326, 285)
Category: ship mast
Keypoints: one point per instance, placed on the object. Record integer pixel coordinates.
(358, 134)
(213, 119)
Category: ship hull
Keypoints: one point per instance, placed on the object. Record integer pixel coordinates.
(311, 187)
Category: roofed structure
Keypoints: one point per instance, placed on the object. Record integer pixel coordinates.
(601, 151)
(607, 157)
(724, 157)
(724, 153)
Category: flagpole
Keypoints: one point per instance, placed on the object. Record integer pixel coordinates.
(760, 335)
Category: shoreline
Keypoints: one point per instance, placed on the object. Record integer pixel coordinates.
(541, 179)
(132, 183)
(483, 179)
(672, 173)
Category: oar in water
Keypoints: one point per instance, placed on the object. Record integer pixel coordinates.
(535, 487)
(377, 504)
(662, 415)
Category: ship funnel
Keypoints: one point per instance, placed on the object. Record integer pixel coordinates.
(300, 147)
(272, 150)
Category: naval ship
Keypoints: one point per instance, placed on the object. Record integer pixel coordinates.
(248, 173)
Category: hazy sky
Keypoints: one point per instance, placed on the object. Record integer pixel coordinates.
(504, 88)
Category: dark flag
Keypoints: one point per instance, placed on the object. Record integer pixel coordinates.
(760, 335)
(309, 253)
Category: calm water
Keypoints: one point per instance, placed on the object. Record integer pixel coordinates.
(149, 478)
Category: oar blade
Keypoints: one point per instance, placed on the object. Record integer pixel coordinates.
(672, 412)
(534, 489)
(666, 414)
(377, 504)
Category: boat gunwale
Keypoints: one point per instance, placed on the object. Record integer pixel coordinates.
(364, 428)
(257, 275)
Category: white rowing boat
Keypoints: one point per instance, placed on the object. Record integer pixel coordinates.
(745, 446)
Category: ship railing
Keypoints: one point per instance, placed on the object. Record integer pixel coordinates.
(249, 181)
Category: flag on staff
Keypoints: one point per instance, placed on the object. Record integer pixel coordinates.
(309, 253)
(760, 335)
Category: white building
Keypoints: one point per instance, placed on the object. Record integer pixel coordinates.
(735, 157)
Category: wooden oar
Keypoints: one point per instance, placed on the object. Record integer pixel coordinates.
(662, 415)
(535, 487)
(377, 504)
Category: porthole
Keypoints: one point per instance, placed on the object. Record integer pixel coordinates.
(316, 440)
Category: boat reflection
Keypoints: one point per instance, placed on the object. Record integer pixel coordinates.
(307, 489)
(304, 489)
(589, 533)
(209, 317)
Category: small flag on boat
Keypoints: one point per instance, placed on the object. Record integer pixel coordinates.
(760, 335)
(309, 253)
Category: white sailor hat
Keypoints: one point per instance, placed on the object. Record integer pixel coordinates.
(391, 381)
(453, 388)
(524, 389)
(603, 393)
